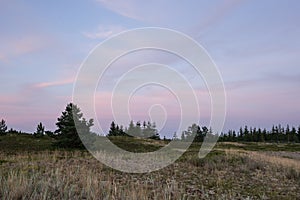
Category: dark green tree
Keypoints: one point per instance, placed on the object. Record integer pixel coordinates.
(70, 124)
(261, 137)
(3, 127)
(241, 134)
(234, 138)
(246, 134)
(293, 134)
(112, 129)
(40, 130)
(201, 133)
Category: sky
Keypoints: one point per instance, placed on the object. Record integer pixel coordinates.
(254, 44)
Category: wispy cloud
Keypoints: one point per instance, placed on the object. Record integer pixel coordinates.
(125, 8)
(268, 79)
(218, 14)
(170, 14)
(104, 32)
(12, 47)
(54, 83)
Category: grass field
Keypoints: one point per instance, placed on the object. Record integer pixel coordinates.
(31, 169)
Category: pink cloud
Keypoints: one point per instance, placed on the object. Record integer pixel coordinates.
(54, 83)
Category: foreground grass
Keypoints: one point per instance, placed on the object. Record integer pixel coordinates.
(228, 172)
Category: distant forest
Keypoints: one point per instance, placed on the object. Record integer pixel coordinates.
(66, 134)
(278, 134)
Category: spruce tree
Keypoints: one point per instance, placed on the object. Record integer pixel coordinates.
(112, 129)
(69, 124)
(131, 129)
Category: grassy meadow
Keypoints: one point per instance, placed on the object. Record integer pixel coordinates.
(31, 169)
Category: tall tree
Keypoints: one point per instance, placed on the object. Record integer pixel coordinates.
(3, 127)
(69, 124)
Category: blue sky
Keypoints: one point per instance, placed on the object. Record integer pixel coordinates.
(255, 45)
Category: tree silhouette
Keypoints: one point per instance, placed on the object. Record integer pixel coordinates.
(3, 127)
(276, 134)
(112, 130)
(69, 124)
(39, 130)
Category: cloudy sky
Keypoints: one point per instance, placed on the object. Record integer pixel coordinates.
(255, 45)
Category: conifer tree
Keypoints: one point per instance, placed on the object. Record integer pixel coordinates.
(40, 130)
(3, 127)
(70, 124)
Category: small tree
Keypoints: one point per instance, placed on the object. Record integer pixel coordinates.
(3, 127)
(40, 130)
(69, 124)
(113, 129)
(131, 129)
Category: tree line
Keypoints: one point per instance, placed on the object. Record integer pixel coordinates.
(144, 130)
(72, 121)
(278, 134)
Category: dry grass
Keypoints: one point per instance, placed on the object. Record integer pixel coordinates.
(274, 158)
(77, 175)
(232, 143)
